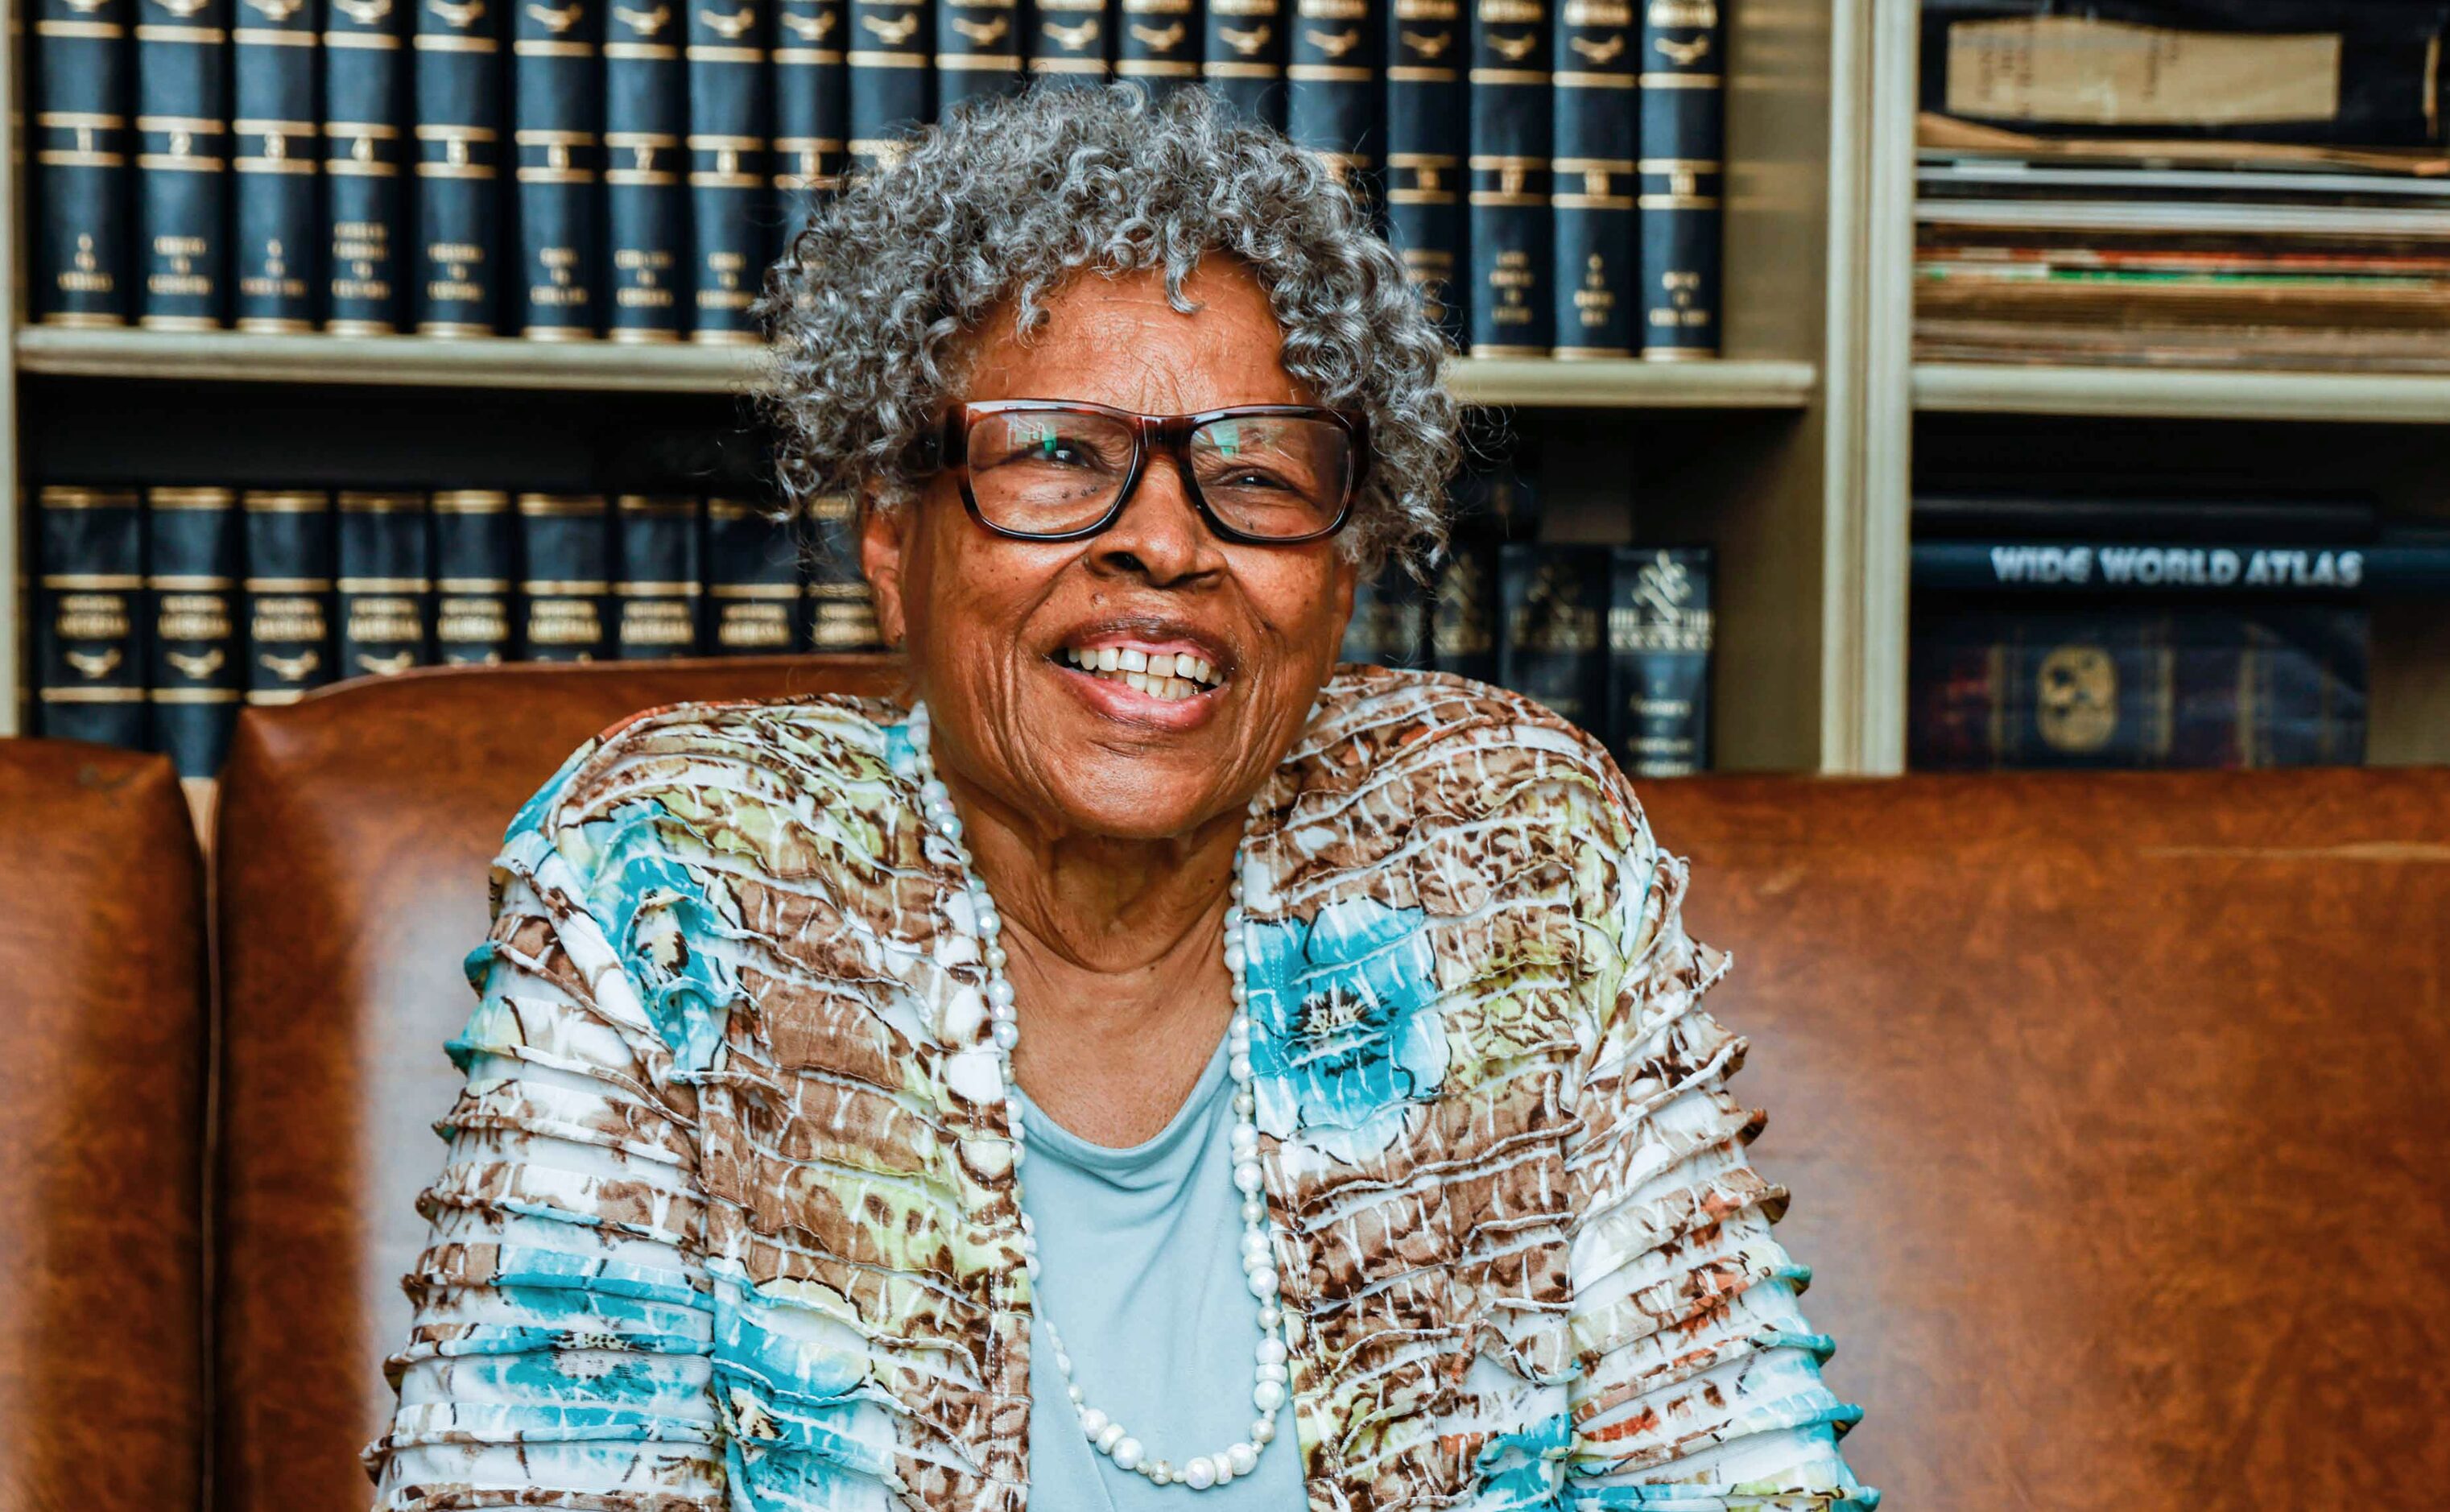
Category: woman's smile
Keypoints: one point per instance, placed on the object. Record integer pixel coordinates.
(1160, 673)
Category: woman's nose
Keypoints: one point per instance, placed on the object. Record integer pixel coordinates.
(1159, 534)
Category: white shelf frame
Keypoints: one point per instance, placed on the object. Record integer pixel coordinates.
(2213, 394)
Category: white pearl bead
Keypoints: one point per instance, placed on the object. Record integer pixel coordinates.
(1092, 1424)
(1110, 1436)
(1271, 1371)
(1163, 1474)
(1233, 958)
(1254, 1210)
(1268, 1396)
(1263, 1429)
(1224, 1467)
(1007, 1034)
(997, 959)
(1246, 1175)
(1270, 1315)
(1200, 1475)
(1127, 1454)
(1257, 1242)
(1242, 1068)
(934, 793)
(990, 924)
(999, 992)
(1001, 1013)
(1263, 1284)
(1077, 1395)
(1272, 1351)
(1244, 1458)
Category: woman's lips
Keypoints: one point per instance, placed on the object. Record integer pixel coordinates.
(1180, 705)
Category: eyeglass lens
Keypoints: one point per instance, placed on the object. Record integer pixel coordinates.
(1051, 472)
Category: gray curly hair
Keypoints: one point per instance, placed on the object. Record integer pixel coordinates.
(868, 309)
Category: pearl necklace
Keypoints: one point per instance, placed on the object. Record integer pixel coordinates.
(1106, 1435)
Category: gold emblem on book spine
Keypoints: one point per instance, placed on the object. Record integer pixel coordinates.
(1072, 39)
(1514, 49)
(1602, 53)
(192, 664)
(1334, 44)
(558, 20)
(365, 12)
(1246, 42)
(731, 28)
(1158, 39)
(892, 33)
(810, 29)
(981, 33)
(94, 664)
(645, 22)
(1682, 54)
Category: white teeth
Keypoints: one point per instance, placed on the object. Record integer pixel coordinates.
(1134, 661)
(1165, 674)
(1161, 665)
(1109, 659)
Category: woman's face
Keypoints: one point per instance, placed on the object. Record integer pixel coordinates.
(995, 627)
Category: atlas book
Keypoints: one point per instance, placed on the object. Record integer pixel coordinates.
(566, 571)
(366, 123)
(557, 142)
(1510, 309)
(1427, 133)
(752, 580)
(1660, 630)
(475, 572)
(182, 162)
(275, 132)
(385, 582)
(1242, 56)
(1679, 212)
(459, 73)
(891, 82)
(645, 202)
(729, 226)
(1593, 179)
(1552, 614)
(810, 77)
(656, 589)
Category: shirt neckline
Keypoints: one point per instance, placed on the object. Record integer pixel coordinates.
(1046, 1133)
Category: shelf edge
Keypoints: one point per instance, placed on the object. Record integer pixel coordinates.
(2413, 399)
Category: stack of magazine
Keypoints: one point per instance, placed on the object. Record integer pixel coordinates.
(2256, 184)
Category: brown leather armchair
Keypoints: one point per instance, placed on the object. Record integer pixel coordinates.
(2114, 1105)
(103, 979)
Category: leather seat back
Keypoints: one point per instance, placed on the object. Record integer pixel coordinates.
(102, 991)
(355, 834)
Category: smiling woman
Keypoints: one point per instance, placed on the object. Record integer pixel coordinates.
(1150, 1064)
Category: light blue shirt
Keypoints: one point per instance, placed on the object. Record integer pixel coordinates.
(1140, 1266)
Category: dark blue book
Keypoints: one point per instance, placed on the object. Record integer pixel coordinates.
(1426, 136)
(1552, 609)
(458, 50)
(730, 222)
(1463, 610)
(365, 130)
(195, 658)
(752, 581)
(978, 51)
(892, 44)
(1067, 40)
(89, 651)
(286, 594)
(182, 160)
(275, 126)
(385, 582)
(1593, 179)
(841, 615)
(1660, 633)
(657, 589)
(646, 114)
(1390, 624)
(811, 86)
(475, 570)
(558, 126)
(1242, 56)
(1511, 311)
(1683, 116)
(1157, 44)
(1334, 87)
(565, 577)
(82, 102)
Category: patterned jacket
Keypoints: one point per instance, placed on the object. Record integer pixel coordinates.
(727, 1219)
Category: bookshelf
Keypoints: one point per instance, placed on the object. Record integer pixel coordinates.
(1758, 453)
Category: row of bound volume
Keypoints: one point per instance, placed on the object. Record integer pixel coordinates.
(565, 171)
(159, 612)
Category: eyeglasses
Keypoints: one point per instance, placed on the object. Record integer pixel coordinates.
(1061, 470)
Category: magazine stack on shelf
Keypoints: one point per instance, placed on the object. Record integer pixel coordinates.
(2166, 182)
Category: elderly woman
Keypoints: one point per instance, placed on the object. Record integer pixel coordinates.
(1152, 1066)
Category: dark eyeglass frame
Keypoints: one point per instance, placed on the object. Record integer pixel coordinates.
(949, 448)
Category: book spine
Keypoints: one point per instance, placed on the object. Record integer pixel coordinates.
(287, 595)
(1683, 108)
(458, 70)
(1335, 76)
(182, 159)
(839, 614)
(1426, 142)
(2302, 686)
(1242, 56)
(811, 85)
(752, 581)
(89, 652)
(1067, 40)
(727, 134)
(475, 568)
(645, 204)
(1390, 624)
(365, 119)
(1593, 178)
(977, 50)
(1512, 130)
(386, 584)
(274, 125)
(2115, 567)
(564, 577)
(1552, 638)
(890, 77)
(195, 660)
(1463, 612)
(557, 131)
(1660, 632)
(81, 170)
(659, 586)
(1159, 45)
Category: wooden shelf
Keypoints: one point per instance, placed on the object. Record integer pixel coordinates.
(511, 363)
(2216, 394)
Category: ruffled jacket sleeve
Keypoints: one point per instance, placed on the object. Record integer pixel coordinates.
(1699, 1383)
(560, 1350)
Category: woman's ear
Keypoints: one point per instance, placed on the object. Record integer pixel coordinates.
(882, 547)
